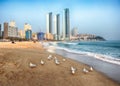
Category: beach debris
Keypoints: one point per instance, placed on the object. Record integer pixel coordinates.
(73, 70)
(85, 70)
(64, 60)
(91, 69)
(42, 62)
(49, 57)
(32, 65)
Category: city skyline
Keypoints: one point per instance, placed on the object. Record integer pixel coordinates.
(99, 17)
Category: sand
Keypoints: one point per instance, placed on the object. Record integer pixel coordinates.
(15, 69)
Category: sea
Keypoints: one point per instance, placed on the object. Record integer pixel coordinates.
(108, 51)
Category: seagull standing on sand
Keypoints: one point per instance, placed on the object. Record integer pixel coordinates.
(49, 57)
(85, 70)
(91, 68)
(73, 70)
(42, 62)
(32, 65)
(57, 62)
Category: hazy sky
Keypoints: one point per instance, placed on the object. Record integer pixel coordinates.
(100, 17)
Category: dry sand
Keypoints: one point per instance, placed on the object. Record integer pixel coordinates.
(15, 70)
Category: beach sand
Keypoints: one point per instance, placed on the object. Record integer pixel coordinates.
(15, 70)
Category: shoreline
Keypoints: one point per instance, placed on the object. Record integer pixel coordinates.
(109, 69)
(15, 70)
(101, 57)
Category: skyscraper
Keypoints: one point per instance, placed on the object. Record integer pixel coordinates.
(49, 22)
(5, 30)
(12, 29)
(28, 34)
(27, 26)
(57, 26)
(66, 24)
(12, 24)
(0, 31)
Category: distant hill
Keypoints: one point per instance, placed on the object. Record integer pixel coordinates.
(89, 37)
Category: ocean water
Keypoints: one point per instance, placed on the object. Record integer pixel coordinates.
(104, 50)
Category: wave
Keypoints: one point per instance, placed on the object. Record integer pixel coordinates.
(105, 58)
(101, 44)
(102, 57)
(69, 43)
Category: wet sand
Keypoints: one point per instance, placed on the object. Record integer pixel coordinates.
(109, 69)
(15, 69)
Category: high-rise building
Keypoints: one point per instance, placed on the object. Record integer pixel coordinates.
(66, 24)
(27, 26)
(49, 23)
(5, 35)
(57, 26)
(28, 34)
(12, 29)
(0, 31)
(74, 32)
(12, 24)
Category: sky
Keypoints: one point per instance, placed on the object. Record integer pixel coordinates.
(99, 17)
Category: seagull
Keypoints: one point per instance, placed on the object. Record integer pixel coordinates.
(57, 62)
(73, 70)
(32, 65)
(64, 60)
(85, 70)
(42, 62)
(91, 68)
(49, 57)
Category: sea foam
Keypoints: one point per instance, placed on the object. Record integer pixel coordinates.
(106, 58)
